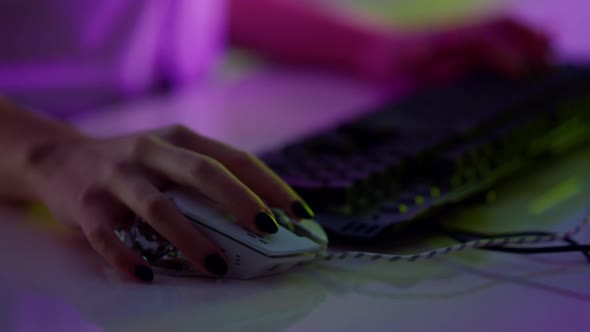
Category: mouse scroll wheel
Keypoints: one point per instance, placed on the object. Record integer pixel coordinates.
(283, 219)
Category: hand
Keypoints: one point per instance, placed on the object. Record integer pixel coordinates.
(98, 185)
(501, 45)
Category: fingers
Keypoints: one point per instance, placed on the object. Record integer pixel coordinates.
(188, 168)
(129, 186)
(256, 175)
(444, 70)
(513, 48)
(249, 169)
(99, 230)
(534, 44)
(501, 55)
(502, 45)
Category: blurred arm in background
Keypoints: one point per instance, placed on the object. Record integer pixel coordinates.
(298, 32)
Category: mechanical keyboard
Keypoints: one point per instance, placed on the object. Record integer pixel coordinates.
(396, 163)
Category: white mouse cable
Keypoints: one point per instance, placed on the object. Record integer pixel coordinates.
(480, 243)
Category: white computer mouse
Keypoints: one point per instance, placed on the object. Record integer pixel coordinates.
(249, 256)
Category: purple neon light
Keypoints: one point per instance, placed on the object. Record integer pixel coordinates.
(58, 47)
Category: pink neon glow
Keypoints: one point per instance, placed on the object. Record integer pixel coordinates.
(183, 58)
(57, 47)
(103, 22)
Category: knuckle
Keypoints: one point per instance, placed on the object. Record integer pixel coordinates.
(97, 236)
(244, 160)
(154, 206)
(204, 167)
(142, 145)
(119, 170)
(178, 132)
(90, 197)
(119, 258)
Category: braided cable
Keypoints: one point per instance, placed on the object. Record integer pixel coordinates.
(480, 243)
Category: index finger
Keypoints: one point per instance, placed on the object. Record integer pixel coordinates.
(249, 169)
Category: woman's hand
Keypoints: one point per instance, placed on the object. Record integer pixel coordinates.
(98, 184)
(304, 33)
(501, 45)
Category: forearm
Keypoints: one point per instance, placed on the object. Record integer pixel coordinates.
(23, 136)
(297, 32)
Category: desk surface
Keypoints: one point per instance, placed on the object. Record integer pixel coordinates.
(52, 281)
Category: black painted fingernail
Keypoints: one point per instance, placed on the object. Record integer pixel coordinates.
(266, 223)
(216, 265)
(301, 210)
(144, 273)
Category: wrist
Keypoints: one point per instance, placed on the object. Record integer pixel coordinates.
(41, 156)
(22, 135)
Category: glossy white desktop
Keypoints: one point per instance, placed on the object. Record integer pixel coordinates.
(50, 280)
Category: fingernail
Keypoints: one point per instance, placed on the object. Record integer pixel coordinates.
(216, 265)
(301, 210)
(266, 223)
(144, 273)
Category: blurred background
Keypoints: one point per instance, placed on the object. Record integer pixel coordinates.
(242, 90)
(234, 91)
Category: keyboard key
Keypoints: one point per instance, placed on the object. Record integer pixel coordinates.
(402, 159)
